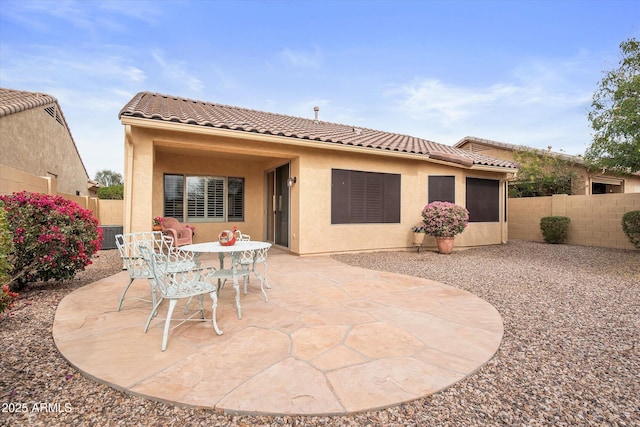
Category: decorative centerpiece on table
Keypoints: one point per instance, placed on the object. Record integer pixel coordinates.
(157, 223)
(227, 237)
(444, 220)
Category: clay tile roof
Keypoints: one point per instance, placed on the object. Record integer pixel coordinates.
(514, 147)
(156, 106)
(13, 101)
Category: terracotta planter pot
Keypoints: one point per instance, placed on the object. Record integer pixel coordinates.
(445, 244)
(157, 228)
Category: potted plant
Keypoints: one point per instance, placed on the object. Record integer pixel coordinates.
(444, 221)
(157, 223)
(418, 234)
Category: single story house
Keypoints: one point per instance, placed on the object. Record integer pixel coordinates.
(587, 182)
(35, 138)
(306, 185)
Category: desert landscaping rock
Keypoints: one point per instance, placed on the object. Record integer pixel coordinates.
(569, 356)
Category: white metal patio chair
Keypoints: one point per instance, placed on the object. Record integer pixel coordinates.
(249, 259)
(128, 246)
(175, 285)
(241, 237)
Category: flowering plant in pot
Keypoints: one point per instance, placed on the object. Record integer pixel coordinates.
(157, 223)
(444, 220)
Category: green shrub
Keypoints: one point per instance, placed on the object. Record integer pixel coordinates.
(53, 238)
(114, 192)
(555, 229)
(6, 247)
(631, 227)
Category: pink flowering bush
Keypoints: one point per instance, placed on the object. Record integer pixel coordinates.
(444, 219)
(53, 238)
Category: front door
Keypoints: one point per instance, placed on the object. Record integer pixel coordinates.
(278, 206)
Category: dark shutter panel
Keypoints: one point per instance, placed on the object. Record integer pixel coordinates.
(373, 197)
(357, 197)
(392, 202)
(442, 189)
(364, 197)
(483, 200)
(339, 196)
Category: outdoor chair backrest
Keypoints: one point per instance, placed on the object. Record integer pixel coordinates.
(175, 283)
(241, 237)
(128, 247)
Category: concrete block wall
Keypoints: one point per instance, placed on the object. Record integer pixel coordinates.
(111, 212)
(595, 219)
(523, 217)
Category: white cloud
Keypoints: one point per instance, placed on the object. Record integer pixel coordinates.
(543, 103)
(301, 58)
(175, 71)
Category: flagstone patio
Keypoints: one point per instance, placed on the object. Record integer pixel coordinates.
(333, 339)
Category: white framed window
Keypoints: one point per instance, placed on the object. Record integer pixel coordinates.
(204, 198)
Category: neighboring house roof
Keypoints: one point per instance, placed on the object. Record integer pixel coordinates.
(14, 101)
(513, 147)
(166, 108)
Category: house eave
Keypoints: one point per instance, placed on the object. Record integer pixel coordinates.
(298, 142)
(487, 168)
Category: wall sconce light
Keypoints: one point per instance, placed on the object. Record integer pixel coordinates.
(291, 181)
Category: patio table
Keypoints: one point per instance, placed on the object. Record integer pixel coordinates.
(235, 251)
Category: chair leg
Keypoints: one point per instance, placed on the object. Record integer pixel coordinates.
(266, 299)
(154, 293)
(167, 323)
(201, 307)
(264, 293)
(154, 311)
(186, 306)
(266, 275)
(236, 286)
(214, 307)
(124, 293)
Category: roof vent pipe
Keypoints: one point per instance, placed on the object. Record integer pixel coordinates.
(315, 110)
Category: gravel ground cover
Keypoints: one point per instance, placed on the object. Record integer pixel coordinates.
(570, 353)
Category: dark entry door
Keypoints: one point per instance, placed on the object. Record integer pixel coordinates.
(278, 206)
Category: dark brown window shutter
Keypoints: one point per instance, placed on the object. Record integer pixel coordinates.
(442, 189)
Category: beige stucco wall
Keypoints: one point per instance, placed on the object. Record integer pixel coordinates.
(595, 219)
(315, 204)
(34, 142)
(150, 153)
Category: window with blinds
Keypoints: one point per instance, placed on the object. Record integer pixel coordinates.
(174, 196)
(364, 197)
(235, 197)
(442, 189)
(483, 200)
(205, 198)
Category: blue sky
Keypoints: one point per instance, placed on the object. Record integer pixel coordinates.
(521, 72)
